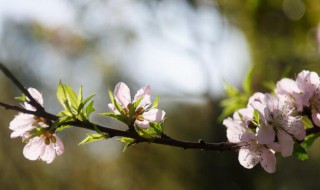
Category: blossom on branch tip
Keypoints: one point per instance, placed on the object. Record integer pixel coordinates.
(22, 123)
(143, 114)
(44, 147)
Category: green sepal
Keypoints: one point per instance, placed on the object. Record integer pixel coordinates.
(155, 130)
(155, 103)
(256, 118)
(115, 103)
(307, 123)
(93, 138)
(134, 107)
(128, 142)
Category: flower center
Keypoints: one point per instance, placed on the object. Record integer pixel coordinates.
(48, 138)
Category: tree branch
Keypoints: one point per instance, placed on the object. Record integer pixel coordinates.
(223, 146)
(32, 101)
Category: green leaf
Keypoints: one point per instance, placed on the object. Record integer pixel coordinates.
(128, 142)
(86, 100)
(80, 96)
(21, 98)
(71, 97)
(65, 113)
(247, 82)
(89, 109)
(309, 140)
(155, 103)
(61, 95)
(63, 127)
(300, 152)
(114, 116)
(93, 138)
(234, 101)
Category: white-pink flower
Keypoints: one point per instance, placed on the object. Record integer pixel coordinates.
(251, 152)
(44, 147)
(309, 83)
(276, 118)
(22, 123)
(143, 115)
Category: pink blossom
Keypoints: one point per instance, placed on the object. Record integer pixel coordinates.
(22, 123)
(277, 118)
(44, 147)
(143, 115)
(251, 152)
(309, 83)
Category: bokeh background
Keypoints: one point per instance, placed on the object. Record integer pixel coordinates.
(186, 51)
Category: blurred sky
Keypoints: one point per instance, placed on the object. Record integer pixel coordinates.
(177, 48)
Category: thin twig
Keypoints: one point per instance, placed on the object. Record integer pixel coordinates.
(33, 102)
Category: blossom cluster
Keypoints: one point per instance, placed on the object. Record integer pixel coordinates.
(272, 123)
(41, 142)
(142, 114)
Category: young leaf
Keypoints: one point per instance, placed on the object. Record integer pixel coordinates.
(62, 127)
(89, 109)
(93, 138)
(21, 98)
(128, 142)
(247, 82)
(300, 152)
(115, 116)
(80, 96)
(71, 97)
(61, 95)
(309, 140)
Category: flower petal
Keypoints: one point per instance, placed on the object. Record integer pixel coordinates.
(58, 146)
(286, 143)
(142, 92)
(268, 160)
(113, 108)
(34, 148)
(154, 115)
(122, 94)
(296, 128)
(265, 134)
(247, 158)
(316, 118)
(37, 96)
(143, 124)
(234, 130)
(145, 102)
(287, 86)
(49, 154)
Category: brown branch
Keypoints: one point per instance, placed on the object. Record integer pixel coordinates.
(165, 140)
(32, 101)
